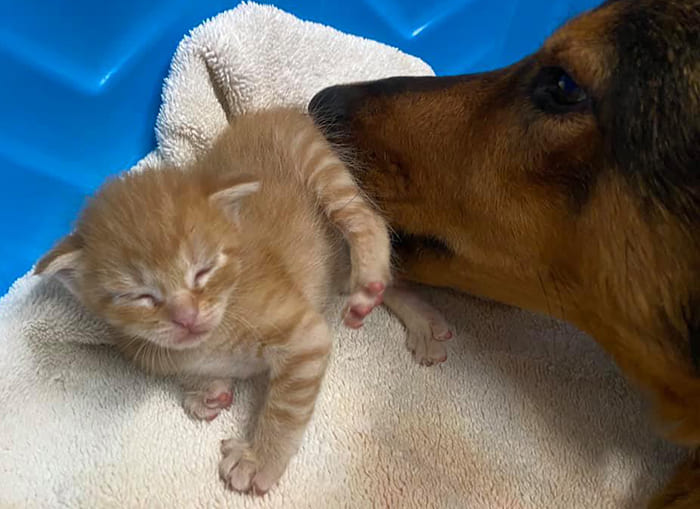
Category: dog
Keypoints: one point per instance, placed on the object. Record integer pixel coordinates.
(567, 183)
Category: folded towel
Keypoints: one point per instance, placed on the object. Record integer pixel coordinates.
(526, 412)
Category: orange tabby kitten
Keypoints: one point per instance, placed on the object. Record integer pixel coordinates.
(223, 271)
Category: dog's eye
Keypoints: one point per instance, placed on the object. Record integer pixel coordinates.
(569, 91)
(555, 91)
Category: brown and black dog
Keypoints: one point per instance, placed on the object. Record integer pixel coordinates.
(567, 183)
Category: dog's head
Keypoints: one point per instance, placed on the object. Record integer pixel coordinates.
(567, 183)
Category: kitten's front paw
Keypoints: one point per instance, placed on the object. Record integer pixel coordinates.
(244, 472)
(361, 303)
(206, 404)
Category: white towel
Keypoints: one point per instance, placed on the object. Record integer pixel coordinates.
(526, 412)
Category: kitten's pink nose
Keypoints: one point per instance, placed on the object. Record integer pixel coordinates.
(184, 311)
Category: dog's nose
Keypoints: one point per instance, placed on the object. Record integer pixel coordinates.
(328, 104)
(332, 108)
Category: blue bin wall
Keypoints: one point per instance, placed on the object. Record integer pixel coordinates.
(80, 84)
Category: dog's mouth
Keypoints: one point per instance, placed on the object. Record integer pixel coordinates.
(373, 127)
(397, 134)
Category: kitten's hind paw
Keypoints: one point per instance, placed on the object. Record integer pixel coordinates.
(361, 303)
(206, 404)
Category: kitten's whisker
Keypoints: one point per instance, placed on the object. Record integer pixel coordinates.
(141, 349)
(131, 341)
(166, 363)
(154, 353)
(173, 365)
(159, 358)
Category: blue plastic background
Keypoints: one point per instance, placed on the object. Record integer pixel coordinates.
(80, 84)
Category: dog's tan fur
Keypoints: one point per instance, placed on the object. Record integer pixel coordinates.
(494, 198)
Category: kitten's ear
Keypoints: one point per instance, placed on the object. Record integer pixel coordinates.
(229, 197)
(63, 262)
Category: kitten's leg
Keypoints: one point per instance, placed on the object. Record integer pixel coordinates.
(296, 373)
(205, 398)
(363, 228)
(426, 328)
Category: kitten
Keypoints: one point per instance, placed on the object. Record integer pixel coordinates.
(223, 270)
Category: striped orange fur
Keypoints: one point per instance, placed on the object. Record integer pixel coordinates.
(224, 269)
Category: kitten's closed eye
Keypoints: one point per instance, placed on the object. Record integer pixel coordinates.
(204, 272)
(202, 276)
(138, 299)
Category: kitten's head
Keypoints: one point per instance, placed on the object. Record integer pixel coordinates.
(156, 254)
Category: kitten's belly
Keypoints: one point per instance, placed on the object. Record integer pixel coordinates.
(242, 363)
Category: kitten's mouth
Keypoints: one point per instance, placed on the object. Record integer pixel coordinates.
(190, 338)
